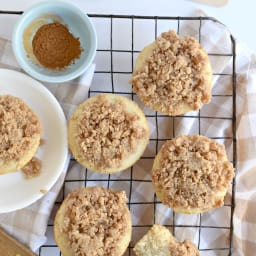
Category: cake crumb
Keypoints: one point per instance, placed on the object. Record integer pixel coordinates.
(43, 191)
(32, 169)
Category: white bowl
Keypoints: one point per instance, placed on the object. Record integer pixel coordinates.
(79, 25)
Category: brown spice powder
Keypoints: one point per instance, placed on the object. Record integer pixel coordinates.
(55, 47)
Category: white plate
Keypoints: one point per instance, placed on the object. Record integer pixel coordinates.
(15, 191)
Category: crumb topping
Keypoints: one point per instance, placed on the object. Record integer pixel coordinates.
(186, 248)
(95, 220)
(176, 73)
(191, 170)
(18, 126)
(107, 133)
(32, 168)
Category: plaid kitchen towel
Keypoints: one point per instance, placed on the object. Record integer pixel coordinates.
(243, 63)
(245, 203)
(211, 229)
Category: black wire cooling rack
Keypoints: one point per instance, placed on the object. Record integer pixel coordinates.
(120, 39)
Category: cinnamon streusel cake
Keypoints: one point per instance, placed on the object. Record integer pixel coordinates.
(108, 133)
(173, 75)
(20, 132)
(191, 174)
(93, 221)
(160, 242)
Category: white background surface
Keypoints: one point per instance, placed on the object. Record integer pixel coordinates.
(238, 15)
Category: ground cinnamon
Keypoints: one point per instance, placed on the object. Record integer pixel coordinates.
(55, 47)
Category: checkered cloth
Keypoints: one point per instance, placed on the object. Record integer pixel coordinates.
(245, 210)
(29, 224)
(215, 225)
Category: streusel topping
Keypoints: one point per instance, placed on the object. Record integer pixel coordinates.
(95, 220)
(177, 73)
(191, 170)
(185, 248)
(107, 133)
(18, 126)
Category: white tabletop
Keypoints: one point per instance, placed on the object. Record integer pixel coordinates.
(237, 15)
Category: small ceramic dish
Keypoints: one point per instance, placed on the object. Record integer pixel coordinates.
(78, 24)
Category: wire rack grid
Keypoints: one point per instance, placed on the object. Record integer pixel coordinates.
(120, 39)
